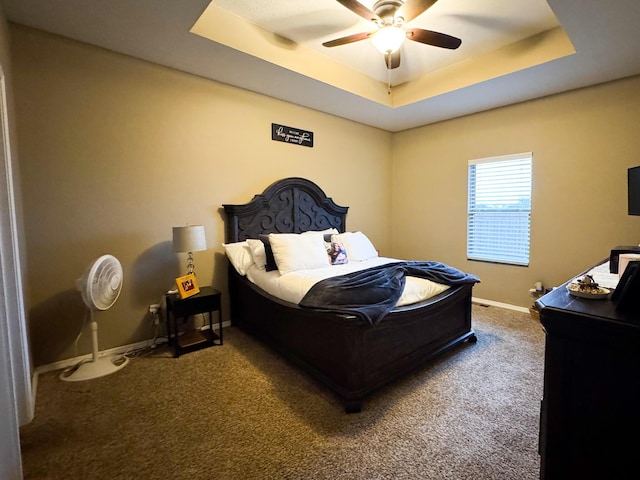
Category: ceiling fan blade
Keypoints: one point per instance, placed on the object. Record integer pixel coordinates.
(356, 37)
(359, 9)
(412, 8)
(436, 39)
(392, 60)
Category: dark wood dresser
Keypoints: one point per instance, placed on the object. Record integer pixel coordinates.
(590, 412)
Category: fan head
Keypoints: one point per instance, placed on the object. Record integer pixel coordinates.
(391, 17)
(101, 283)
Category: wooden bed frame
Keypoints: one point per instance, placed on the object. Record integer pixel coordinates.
(345, 353)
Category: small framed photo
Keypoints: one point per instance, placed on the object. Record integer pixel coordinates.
(187, 285)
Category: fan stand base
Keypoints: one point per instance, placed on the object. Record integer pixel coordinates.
(99, 367)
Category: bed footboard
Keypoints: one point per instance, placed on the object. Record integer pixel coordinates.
(345, 353)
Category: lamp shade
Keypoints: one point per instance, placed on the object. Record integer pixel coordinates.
(190, 238)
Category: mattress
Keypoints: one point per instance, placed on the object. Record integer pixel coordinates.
(292, 287)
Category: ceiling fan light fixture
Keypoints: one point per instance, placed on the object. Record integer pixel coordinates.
(388, 39)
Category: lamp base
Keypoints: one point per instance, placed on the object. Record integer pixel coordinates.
(190, 265)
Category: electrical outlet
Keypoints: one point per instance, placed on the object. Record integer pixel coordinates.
(154, 308)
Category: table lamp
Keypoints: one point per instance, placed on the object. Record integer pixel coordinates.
(189, 238)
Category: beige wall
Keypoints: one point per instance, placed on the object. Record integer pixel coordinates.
(115, 151)
(582, 143)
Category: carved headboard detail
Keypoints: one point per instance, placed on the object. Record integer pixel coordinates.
(290, 205)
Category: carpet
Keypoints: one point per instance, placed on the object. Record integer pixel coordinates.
(239, 411)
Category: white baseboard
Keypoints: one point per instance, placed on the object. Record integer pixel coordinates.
(481, 301)
(104, 353)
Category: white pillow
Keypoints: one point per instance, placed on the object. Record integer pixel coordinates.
(239, 254)
(357, 245)
(294, 252)
(258, 253)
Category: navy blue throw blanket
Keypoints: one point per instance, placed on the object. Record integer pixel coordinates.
(372, 293)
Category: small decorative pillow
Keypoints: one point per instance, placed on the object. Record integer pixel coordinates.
(239, 254)
(328, 231)
(337, 253)
(326, 234)
(271, 261)
(294, 252)
(357, 244)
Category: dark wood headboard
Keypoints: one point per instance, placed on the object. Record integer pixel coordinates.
(290, 205)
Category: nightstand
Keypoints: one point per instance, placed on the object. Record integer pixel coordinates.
(206, 301)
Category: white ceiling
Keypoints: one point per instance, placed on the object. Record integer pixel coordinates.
(311, 23)
(512, 50)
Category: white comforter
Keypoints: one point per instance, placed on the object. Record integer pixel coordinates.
(293, 286)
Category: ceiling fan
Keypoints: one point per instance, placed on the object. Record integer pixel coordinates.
(391, 17)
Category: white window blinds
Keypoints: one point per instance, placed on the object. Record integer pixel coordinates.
(499, 209)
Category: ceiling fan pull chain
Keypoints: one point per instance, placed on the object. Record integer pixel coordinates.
(388, 82)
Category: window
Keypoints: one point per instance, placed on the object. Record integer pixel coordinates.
(499, 209)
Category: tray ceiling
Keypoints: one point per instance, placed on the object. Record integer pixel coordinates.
(512, 50)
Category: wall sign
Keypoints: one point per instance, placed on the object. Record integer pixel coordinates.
(282, 133)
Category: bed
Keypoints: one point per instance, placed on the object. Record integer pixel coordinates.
(349, 355)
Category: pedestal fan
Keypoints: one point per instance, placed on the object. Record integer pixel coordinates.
(100, 286)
